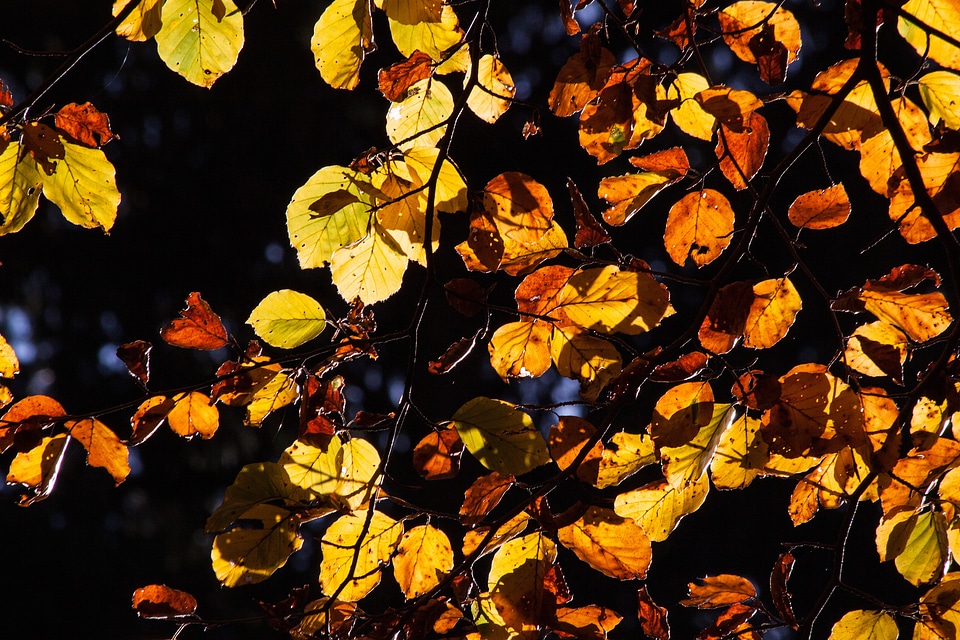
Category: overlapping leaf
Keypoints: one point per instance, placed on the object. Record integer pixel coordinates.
(196, 43)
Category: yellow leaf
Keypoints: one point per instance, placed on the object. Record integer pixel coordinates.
(590, 360)
(280, 391)
(658, 507)
(940, 92)
(916, 542)
(627, 194)
(520, 350)
(321, 617)
(9, 364)
(419, 120)
(287, 319)
(880, 161)
(500, 436)
(424, 556)
(516, 580)
(341, 38)
(940, 174)
(370, 269)
(612, 545)
(939, 610)
(195, 44)
(143, 23)
(19, 187)
(451, 189)
(719, 591)
(520, 207)
(194, 413)
(345, 210)
(590, 622)
(256, 484)
(610, 301)
(943, 14)
(922, 316)
(741, 21)
(508, 531)
(493, 96)
(104, 448)
(686, 464)
(774, 308)
(251, 554)
(37, 469)
(84, 187)
(690, 116)
(820, 209)
(422, 25)
(681, 413)
(347, 470)
(631, 452)
(699, 227)
(352, 538)
(874, 348)
(741, 454)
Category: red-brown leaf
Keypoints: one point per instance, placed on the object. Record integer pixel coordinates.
(653, 617)
(136, 356)
(160, 601)
(397, 78)
(198, 327)
(589, 231)
(437, 455)
(44, 145)
(482, 496)
(778, 588)
(85, 124)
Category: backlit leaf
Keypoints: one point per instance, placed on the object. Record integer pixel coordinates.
(27, 417)
(567, 438)
(483, 496)
(84, 187)
(425, 25)
(610, 301)
(148, 417)
(740, 455)
(195, 44)
(865, 625)
(699, 227)
(627, 194)
(877, 349)
(341, 39)
(922, 316)
(256, 484)
(690, 116)
(589, 231)
(653, 617)
(582, 76)
(20, 182)
(279, 392)
(520, 206)
(160, 601)
(500, 436)
(742, 152)
(590, 622)
(516, 580)
(614, 546)
(521, 349)
(351, 537)
(880, 160)
(943, 14)
(681, 413)
(726, 319)
(939, 610)
(37, 469)
(916, 542)
(820, 209)
(104, 448)
(741, 21)
(198, 327)
(686, 464)
(630, 453)
(492, 97)
(419, 120)
(940, 177)
(424, 556)
(85, 124)
(397, 78)
(347, 469)
(251, 554)
(136, 356)
(143, 23)
(508, 531)
(940, 92)
(658, 507)
(590, 360)
(775, 306)
(193, 414)
(719, 591)
(9, 364)
(287, 319)
(437, 455)
(370, 269)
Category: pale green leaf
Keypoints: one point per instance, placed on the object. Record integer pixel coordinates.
(865, 625)
(916, 542)
(19, 188)
(256, 484)
(940, 92)
(84, 187)
(195, 44)
(370, 269)
(503, 438)
(287, 319)
(419, 120)
(341, 38)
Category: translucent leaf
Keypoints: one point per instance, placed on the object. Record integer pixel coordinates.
(287, 319)
(437, 455)
(742, 152)
(316, 235)
(719, 591)
(493, 96)
(104, 448)
(197, 45)
(820, 209)
(520, 206)
(567, 439)
(686, 464)
(590, 622)
(775, 306)
(590, 360)
(451, 192)
(37, 469)
(322, 616)
(160, 601)
(627, 194)
(198, 327)
(508, 531)
(690, 116)
(916, 542)
(741, 454)
(521, 349)
(880, 161)
(255, 484)
(347, 470)
(351, 538)
(85, 124)
(194, 413)
(341, 38)
(630, 453)
(419, 120)
(148, 417)
(501, 437)
(424, 25)
(658, 507)
(136, 357)
(943, 14)
(940, 92)
(279, 392)
(610, 301)
(877, 349)
(28, 415)
(370, 269)
(84, 187)
(9, 364)
(483, 496)
(516, 580)
(253, 553)
(581, 77)
(699, 227)
(741, 21)
(681, 413)
(20, 182)
(424, 556)
(836, 476)
(922, 316)
(653, 617)
(614, 546)
(865, 625)
(397, 78)
(143, 23)
(939, 610)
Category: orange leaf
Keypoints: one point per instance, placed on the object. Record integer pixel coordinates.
(727, 317)
(778, 587)
(741, 21)
(774, 308)
(198, 327)
(613, 545)
(482, 496)
(136, 356)
(680, 413)
(397, 78)
(741, 153)
(27, 416)
(437, 455)
(104, 448)
(85, 124)
(719, 591)
(683, 368)
(148, 417)
(520, 350)
(567, 438)
(653, 617)
(699, 227)
(194, 414)
(672, 162)
(589, 231)
(519, 205)
(820, 209)
(582, 76)
(590, 622)
(160, 601)
(466, 296)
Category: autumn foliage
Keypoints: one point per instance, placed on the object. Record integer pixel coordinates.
(691, 336)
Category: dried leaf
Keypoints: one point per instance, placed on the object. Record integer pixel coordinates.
(160, 601)
(198, 327)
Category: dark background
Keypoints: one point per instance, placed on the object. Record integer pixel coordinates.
(205, 177)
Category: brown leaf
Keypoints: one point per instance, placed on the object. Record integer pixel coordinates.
(820, 209)
(778, 588)
(742, 153)
(731, 623)
(719, 591)
(321, 410)
(683, 368)
(397, 78)
(482, 496)
(44, 145)
(567, 438)
(677, 32)
(198, 327)
(653, 617)
(86, 125)
(160, 601)
(454, 354)
(330, 203)
(136, 356)
(286, 614)
(219, 10)
(582, 76)
(466, 296)
(756, 390)
(22, 423)
(371, 421)
(569, 22)
(589, 231)
(727, 318)
(437, 455)
(6, 96)
(771, 55)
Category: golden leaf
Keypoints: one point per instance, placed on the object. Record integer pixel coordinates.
(419, 120)
(774, 308)
(37, 469)
(699, 227)
(20, 182)
(658, 507)
(354, 551)
(143, 22)
(690, 116)
(84, 187)
(719, 591)
(341, 39)
(104, 448)
(820, 209)
(614, 546)
(252, 554)
(423, 557)
(521, 349)
(493, 96)
(740, 455)
(916, 542)
(371, 268)
(943, 14)
(741, 21)
(194, 413)
(686, 464)
(610, 301)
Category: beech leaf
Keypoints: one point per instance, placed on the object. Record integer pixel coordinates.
(287, 319)
(500, 436)
(198, 327)
(195, 44)
(160, 601)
